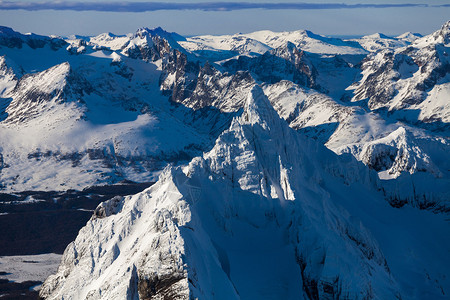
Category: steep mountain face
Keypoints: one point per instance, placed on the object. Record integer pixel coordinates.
(35, 93)
(391, 148)
(307, 110)
(410, 80)
(286, 62)
(266, 213)
(8, 80)
(224, 92)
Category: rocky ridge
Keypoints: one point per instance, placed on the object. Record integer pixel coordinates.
(188, 235)
(149, 78)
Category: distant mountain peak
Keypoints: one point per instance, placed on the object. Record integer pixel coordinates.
(378, 35)
(158, 31)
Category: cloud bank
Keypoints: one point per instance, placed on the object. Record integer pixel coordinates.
(205, 6)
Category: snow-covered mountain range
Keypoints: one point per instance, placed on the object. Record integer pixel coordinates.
(250, 203)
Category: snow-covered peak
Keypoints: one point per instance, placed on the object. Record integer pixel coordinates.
(109, 40)
(379, 41)
(441, 36)
(53, 78)
(262, 41)
(287, 51)
(308, 41)
(377, 35)
(143, 37)
(237, 43)
(276, 39)
(396, 153)
(265, 214)
(162, 33)
(150, 44)
(258, 110)
(403, 78)
(77, 37)
(34, 93)
(263, 211)
(409, 36)
(106, 36)
(144, 33)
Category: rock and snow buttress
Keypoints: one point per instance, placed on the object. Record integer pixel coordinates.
(266, 214)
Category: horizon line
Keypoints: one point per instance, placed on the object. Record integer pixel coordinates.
(126, 6)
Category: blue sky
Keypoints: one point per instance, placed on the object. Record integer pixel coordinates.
(328, 17)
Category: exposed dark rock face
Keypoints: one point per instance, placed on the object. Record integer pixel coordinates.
(434, 63)
(378, 85)
(284, 63)
(405, 74)
(77, 47)
(149, 47)
(107, 208)
(380, 157)
(160, 287)
(184, 74)
(224, 92)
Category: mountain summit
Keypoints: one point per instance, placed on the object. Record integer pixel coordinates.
(265, 213)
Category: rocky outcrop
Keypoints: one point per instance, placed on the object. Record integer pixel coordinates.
(283, 63)
(397, 153)
(147, 45)
(35, 92)
(401, 79)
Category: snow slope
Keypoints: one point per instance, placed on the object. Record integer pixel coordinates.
(262, 41)
(379, 41)
(307, 41)
(267, 213)
(236, 43)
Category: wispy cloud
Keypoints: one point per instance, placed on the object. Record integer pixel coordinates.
(114, 6)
